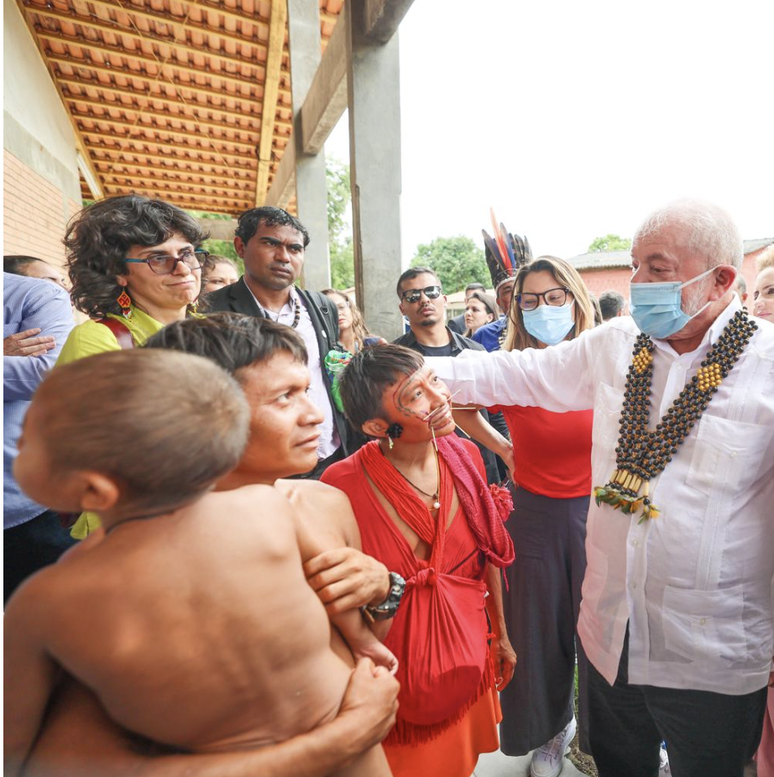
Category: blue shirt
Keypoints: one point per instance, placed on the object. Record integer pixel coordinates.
(28, 303)
(489, 334)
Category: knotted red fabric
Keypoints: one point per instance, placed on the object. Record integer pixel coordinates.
(440, 634)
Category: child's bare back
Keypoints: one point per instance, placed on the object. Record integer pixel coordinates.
(196, 629)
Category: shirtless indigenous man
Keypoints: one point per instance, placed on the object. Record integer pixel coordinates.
(161, 617)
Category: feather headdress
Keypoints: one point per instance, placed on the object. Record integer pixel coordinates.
(505, 253)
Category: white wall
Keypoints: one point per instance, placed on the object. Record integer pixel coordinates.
(36, 127)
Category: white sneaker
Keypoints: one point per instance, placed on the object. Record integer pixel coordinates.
(663, 766)
(547, 760)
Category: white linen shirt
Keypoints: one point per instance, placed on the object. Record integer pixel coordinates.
(329, 436)
(695, 585)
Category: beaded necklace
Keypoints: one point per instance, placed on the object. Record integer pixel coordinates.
(642, 454)
(296, 315)
(436, 496)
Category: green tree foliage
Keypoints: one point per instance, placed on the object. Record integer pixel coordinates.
(457, 261)
(610, 243)
(340, 247)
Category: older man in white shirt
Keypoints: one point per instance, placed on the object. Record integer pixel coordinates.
(676, 615)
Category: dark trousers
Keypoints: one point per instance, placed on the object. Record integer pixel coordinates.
(30, 546)
(541, 610)
(707, 734)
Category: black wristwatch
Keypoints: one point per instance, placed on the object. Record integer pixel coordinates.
(389, 606)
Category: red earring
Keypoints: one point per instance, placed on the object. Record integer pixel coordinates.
(125, 303)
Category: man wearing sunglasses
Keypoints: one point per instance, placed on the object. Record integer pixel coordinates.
(423, 303)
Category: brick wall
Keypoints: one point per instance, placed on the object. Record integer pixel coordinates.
(608, 279)
(35, 213)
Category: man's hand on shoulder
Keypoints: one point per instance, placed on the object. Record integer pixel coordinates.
(346, 578)
(27, 344)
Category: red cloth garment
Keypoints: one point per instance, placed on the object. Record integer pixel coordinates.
(541, 439)
(440, 632)
(487, 507)
(455, 751)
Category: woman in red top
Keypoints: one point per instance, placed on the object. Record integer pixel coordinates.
(552, 478)
(423, 508)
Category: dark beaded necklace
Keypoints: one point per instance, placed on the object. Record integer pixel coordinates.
(642, 454)
(296, 315)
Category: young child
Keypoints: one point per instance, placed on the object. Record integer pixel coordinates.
(193, 637)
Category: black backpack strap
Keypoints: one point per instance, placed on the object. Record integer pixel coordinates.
(328, 314)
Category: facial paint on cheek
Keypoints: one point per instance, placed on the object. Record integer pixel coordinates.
(399, 397)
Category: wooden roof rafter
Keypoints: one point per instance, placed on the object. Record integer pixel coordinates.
(173, 173)
(144, 113)
(273, 63)
(169, 151)
(239, 173)
(179, 23)
(174, 183)
(80, 117)
(152, 97)
(147, 112)
(121, 31)
(184, 195)
(214, 154)
(170, 189)
(154, 62)
(129, 32)
(154, 79)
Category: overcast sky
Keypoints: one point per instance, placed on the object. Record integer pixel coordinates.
(576, 119)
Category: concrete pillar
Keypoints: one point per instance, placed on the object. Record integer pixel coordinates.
(374, 142)
(311, 186)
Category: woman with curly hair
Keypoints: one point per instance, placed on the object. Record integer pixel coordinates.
(353, 332)
(135, 265)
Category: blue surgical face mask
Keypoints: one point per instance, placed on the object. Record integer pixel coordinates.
(549, 323)
(657, 308)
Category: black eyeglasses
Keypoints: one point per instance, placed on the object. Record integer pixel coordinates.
(166, 265)
(414, 295)
(554, 297)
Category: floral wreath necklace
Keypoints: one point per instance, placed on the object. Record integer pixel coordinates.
(642, 454)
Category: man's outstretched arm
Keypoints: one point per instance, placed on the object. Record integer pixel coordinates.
(79, 740)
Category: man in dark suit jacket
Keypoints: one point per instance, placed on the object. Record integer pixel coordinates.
(272, 242)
